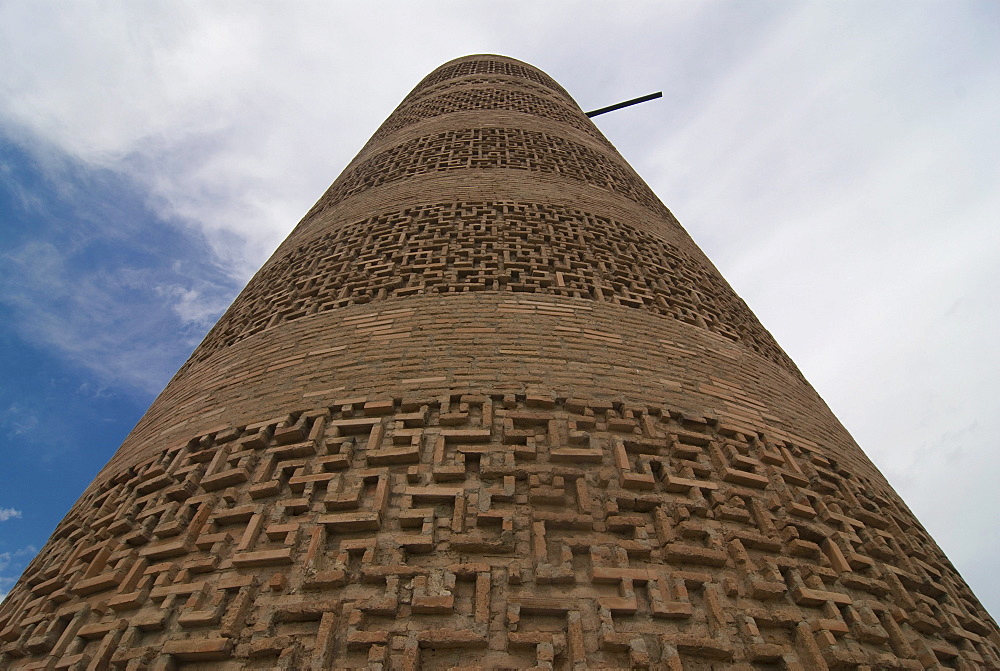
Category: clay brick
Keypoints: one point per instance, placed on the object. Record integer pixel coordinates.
(489, 406)
(195, 650)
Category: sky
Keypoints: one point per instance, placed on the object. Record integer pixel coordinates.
(838, 162)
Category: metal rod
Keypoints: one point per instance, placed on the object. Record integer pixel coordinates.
(627, 103)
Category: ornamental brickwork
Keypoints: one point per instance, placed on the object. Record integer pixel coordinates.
(488, 406)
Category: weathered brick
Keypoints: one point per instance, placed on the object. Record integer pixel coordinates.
(488, 406)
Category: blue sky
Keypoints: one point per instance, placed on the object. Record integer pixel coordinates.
(838, 161)
(93, 324)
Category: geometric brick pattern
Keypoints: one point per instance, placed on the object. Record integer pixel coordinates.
(515, 247)
(491, 149)
(489, 99)
(478, 82)
(466, 71)
(509, 531)
(488, 406)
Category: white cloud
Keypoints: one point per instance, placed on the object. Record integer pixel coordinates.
(228, 118)
(15, 562)
(17, 420)
(855, 213)
(120, 320)
(8, 513)
(194, 306)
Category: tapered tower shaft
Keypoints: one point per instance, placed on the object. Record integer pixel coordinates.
(488, 405)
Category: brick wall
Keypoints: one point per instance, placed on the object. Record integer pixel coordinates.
(489, 406)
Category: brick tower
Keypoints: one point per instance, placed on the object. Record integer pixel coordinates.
(489, 406)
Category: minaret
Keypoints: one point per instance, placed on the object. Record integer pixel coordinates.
(488, 406)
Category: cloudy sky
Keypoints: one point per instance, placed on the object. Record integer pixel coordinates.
(838, 161)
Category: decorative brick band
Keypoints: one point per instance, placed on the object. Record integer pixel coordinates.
(491, 531)
(488, 149)
(487, 99)
(478, 82)
(516, 247)
(487, 66)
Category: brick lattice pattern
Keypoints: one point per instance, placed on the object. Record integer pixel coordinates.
(489, 407)
(460, 247)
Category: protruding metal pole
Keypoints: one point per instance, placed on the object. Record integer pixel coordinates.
(627, 103)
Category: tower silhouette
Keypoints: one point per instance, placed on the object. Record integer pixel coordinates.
(488, 405)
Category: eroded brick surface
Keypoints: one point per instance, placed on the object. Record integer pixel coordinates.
(465, 247)
(472, 429)
(504, 530)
